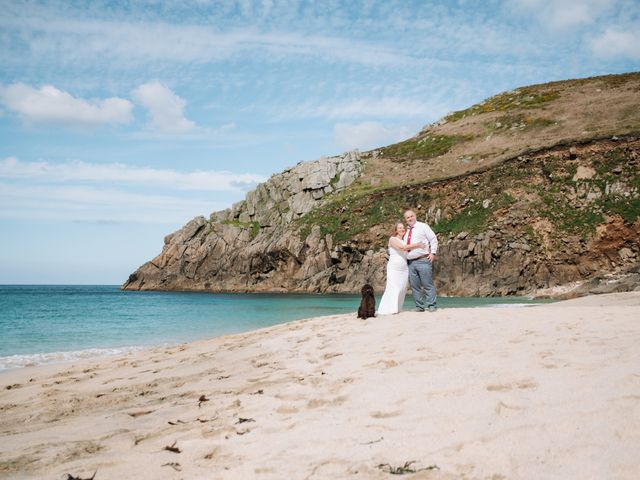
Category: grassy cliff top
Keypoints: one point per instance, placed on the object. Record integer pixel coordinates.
(507, 125)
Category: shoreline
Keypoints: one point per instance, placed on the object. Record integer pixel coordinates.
(31, 356)
(480, 392)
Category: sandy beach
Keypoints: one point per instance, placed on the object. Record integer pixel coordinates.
(538, 392)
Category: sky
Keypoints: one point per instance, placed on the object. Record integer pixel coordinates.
(122, 120)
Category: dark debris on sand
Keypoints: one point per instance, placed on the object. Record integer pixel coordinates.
(71, 477)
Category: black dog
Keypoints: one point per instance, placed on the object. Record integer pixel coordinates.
(368, 303)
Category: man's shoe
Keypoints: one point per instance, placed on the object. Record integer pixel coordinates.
(433, 308)
(418, 309)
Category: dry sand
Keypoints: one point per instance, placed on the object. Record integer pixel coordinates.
(520, 393)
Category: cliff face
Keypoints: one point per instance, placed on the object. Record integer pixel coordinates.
(252, 246)
(559, 214)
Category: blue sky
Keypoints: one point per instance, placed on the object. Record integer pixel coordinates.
(121, 121)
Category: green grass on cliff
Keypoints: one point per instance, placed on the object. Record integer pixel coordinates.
(627, 208)
(428, 146)
(351, 214)
(528, 97)
(560, 199)
(613, 168)
(520, 121)
(474, 218)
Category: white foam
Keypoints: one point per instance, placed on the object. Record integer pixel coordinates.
(19, 361)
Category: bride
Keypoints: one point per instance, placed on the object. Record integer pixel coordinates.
(397, 272)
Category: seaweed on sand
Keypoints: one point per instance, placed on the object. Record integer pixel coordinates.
(71, 477)
(173, 448)
(404, 469)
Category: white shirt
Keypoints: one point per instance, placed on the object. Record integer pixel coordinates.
(421, 233)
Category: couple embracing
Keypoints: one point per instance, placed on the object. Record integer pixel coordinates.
(412, 250)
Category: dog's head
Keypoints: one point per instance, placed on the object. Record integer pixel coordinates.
(367, 290)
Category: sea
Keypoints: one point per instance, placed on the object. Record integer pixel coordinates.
(42, 324)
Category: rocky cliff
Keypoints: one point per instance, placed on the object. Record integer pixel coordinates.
(252, 246)
(529, 190)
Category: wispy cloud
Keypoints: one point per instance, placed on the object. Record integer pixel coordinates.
(44, 33)
(370, 107)
(165, 108)
(118, 173)
(89, 192)
(367, 135)
(50, 105)
(95, 204)
(563, 14)
(614, 43)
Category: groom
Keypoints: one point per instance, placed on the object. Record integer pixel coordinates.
(420, 262)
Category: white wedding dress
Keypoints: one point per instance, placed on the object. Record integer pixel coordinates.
(397, 281)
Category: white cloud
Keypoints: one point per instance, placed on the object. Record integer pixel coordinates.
(47, 35)
(77, 171)
(367, 135)
(50, 105)
(90, 204)
(82, 191)
(399, 107)
(166, 109)
(615, 43)
(563, 14)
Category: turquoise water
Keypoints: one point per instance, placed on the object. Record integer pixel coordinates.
(49, 323)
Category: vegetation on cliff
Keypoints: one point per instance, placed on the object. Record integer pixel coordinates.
(544, 186)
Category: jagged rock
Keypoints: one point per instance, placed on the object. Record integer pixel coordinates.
(234, 250)
(519, 246)
(573, 153)
(584, 173)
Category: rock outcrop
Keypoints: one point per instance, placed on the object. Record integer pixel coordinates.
(251, 246)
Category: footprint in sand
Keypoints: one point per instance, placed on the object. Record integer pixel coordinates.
(504, 409)
(292, 397)
(318, 402)
(552, 365)
(523, 384)
(384, 364)
(79, 450)
(327, 356)
(140, 413)
(287, 409)
(383, 414)
(499, 388)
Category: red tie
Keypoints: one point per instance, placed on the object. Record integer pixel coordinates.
(409, 236)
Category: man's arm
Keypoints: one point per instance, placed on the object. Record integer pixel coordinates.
(432, 240)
